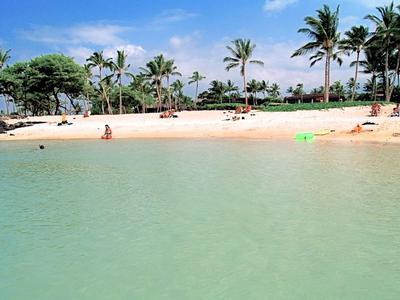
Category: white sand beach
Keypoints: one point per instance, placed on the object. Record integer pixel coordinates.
(218, 124)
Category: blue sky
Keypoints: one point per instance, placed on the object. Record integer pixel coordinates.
(195, 33)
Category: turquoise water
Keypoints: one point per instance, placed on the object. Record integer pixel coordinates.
(199, 219)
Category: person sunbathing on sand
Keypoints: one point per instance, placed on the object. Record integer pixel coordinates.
(357, 129)
(396, 111)
(107, 133)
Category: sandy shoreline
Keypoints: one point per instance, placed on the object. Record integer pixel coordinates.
(213, 124)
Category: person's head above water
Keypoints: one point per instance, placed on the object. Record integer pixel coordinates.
(41, 147)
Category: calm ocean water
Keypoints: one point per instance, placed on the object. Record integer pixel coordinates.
(199, 219)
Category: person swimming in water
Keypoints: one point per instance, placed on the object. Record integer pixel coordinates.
(107, 133)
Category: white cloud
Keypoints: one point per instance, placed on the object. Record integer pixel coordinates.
(88, 34)
(277, 5)
(173, 16)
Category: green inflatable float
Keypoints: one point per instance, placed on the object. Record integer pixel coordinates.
(304, 136)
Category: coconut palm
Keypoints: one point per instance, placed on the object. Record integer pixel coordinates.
(217, 89)
(253, 87)
(263, 87)
(371, 65)
(156, 70)
(4, 57)
(355, 41)
(88, 85)
(231, 88)
(274, 90)
(106, 85)
(386, 26)
(98, 60)
(196, 78)
(170, 70)
(177, 87)
(242, 51)
(143, 90)
(120, 68)
(324, 35)
(352, 84)
(338, 89)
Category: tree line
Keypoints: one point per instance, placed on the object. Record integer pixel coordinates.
(51, 83)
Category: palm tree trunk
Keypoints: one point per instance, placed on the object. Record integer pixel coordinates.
(374, 88)
(169, 94)
(197, 93)
(387, 86)
(244, 85)
(396, 72)
(355, 77)
(327, 75)
(102, 97)
(120, 95)
(158, 90)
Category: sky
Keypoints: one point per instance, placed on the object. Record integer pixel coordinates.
(194, 33)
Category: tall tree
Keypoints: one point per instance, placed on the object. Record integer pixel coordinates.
(231, 88)
(371, 65)
(196, 78)
(253, 87)
(120, 67)
(324, 35)
(241, 51)
(355, 41)
(177, 87)
(274, 90)
(98, 60)
(170, 70)
(156, 71)
(386, 25)
(217, 89)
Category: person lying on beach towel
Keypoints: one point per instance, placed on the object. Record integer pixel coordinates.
(357, 129)
(168, 114)
(396, 111)
(239, 110)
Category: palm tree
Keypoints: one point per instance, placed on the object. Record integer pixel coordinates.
(218, 89)
(156, 70)
(171, 70)
(177, 87)
(98, 60)
(230, 88)
(263, 87)
(4, 57)
(121, 68)
(386, 25)
(371, 65)
(106, 86)
(352, 84)
(88, 85)
(241, 51)
(338, 88)
(253, 87)
(196, 78)
(274, 90)
(142, 90)
(323, 32)
(355, 41)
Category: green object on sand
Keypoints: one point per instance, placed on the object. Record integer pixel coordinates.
(304, 136)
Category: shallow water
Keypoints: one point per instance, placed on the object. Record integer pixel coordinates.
(199, 219)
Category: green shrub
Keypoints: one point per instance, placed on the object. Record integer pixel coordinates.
(281, 107)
